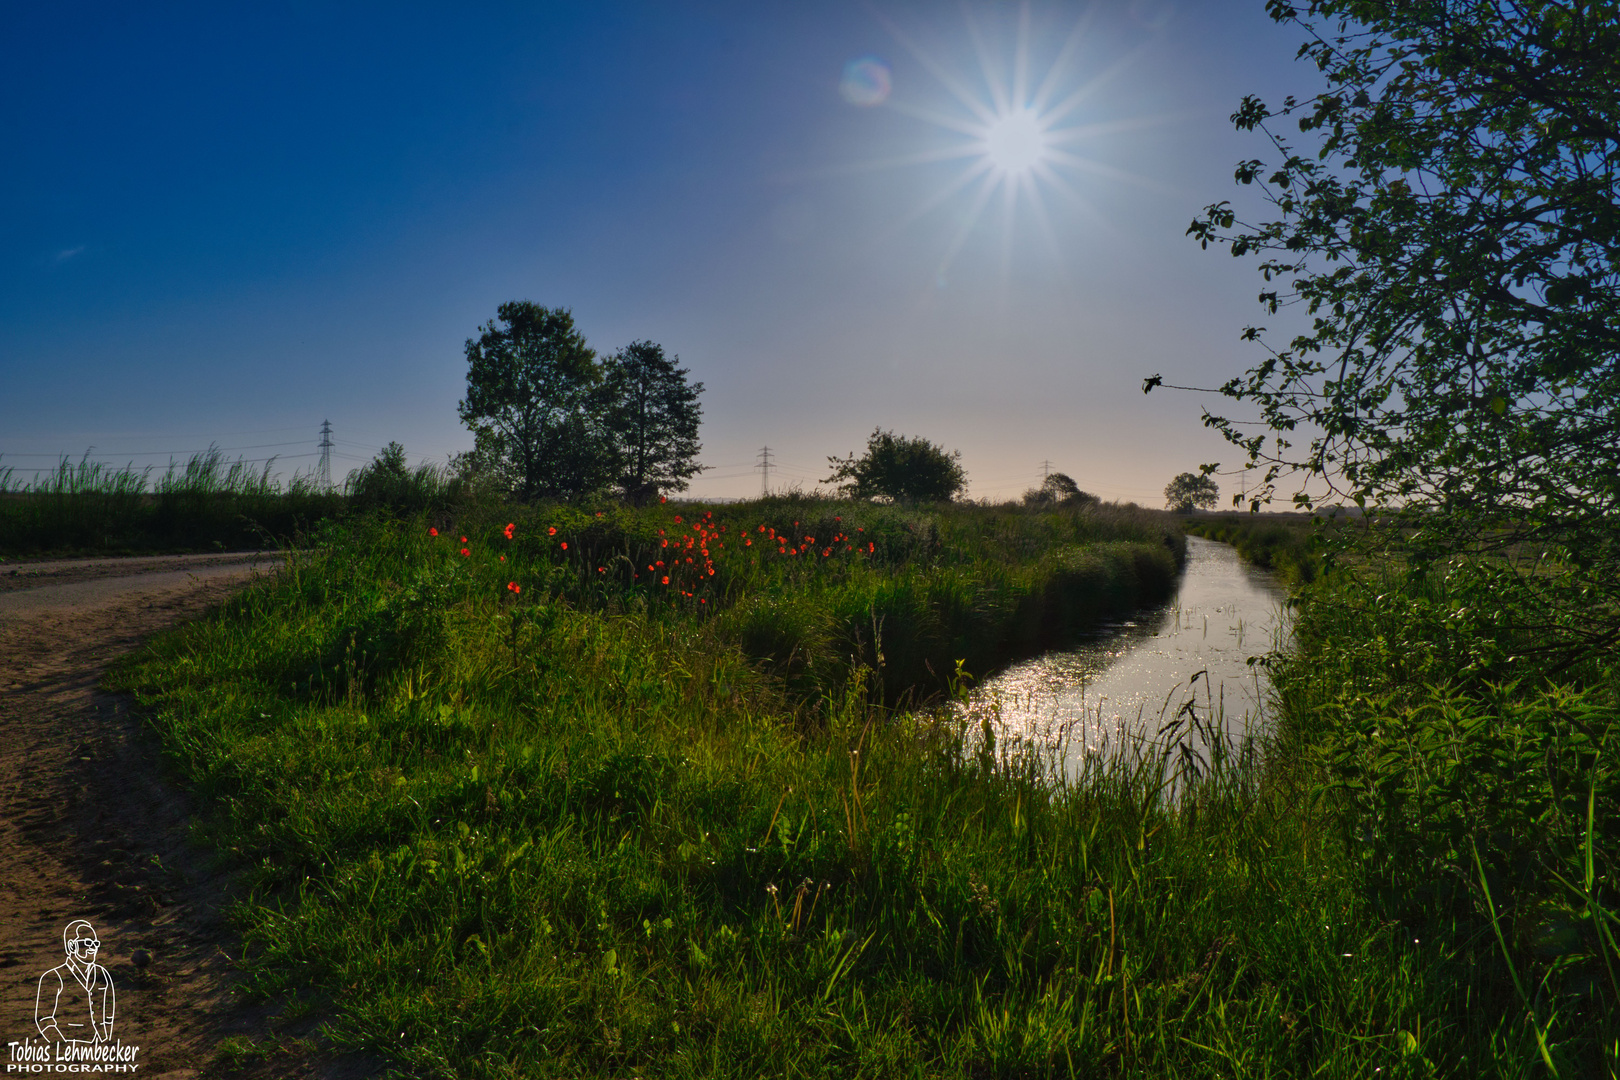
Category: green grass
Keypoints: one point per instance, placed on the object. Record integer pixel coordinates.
(606, 826)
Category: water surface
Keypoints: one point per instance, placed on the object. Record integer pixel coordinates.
(1135, 677)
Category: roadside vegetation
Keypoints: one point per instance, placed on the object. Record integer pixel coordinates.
(206, 504)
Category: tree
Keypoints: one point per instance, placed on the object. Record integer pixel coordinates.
(653, 414)
(1188, 490)
(534, 404)
(1058, 489)
(1455, 240)
(900, 469)
(386, 481)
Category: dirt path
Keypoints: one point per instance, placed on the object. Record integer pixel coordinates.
(92, 827)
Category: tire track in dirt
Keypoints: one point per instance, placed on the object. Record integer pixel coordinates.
(93, 826)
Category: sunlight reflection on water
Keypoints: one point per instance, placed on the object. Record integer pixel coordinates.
(1122, 688)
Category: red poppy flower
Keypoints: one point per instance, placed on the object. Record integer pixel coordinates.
(463, 539)
(552, 531)
(664, 580)
(514, 586)
(433, 532)
(663, 499)
(748, 543)
(464, 551)
(508, 530)
(601, 569)
(503, 558)
(565, 545)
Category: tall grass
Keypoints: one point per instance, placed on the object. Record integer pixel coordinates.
(576, 830)
(207, 503)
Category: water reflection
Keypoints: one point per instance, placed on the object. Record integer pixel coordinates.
(1135, 677)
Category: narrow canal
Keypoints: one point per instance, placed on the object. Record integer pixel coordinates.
(1120, 690)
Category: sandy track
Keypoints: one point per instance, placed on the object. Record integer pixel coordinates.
(93, 827)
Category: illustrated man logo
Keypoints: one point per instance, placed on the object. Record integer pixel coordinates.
(75, 1003)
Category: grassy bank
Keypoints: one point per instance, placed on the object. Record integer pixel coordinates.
(603, 824)
(1289, 545)
(1468, 749)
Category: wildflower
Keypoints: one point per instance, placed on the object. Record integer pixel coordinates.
(762, 529)
(601, 569)
(514, 586)
(748, 543)
(433, 532)
(465, 551)
(663, 499)
(565, 545)
(599, 513)
(503, 558)
(664, 580)
(826, 553)
(509, 527)
(838, 519)
(552, 531)
(463, 539)
(677, 519)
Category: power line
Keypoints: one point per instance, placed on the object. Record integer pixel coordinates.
(764, 471)
(324, 469)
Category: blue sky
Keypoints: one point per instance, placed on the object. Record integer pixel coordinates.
(225, 223)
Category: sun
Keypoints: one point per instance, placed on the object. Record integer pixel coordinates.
(1020, 129)
(1015, 142)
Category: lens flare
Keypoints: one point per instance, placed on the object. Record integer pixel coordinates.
(866, 81)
